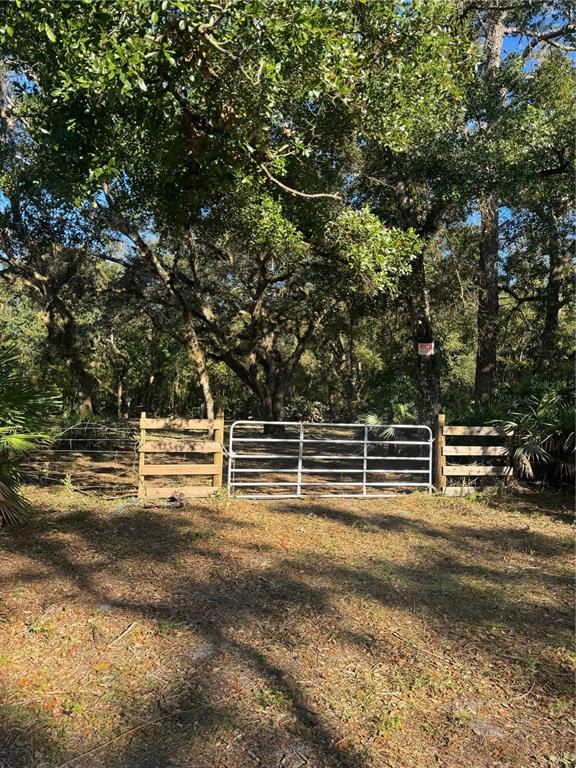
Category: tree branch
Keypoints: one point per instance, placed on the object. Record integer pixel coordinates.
(544, 37)
(518, 299)
(295, 192)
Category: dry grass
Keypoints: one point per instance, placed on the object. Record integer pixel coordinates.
(411, 632)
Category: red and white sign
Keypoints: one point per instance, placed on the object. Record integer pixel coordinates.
(426, 348)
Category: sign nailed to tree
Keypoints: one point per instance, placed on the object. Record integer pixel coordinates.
(426, 348)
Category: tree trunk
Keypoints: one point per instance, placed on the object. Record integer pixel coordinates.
(198, 357)
(350, 397)
(423, 331)
(553, 305)
(119, 399)
(273, 410)
(267, 374)
(488, 302)
(64, 339)
(349, 370)
(278, 405)
(276, 381)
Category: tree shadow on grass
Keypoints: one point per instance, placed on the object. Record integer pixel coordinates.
(27, 738)
(88, 549)
(464, 536)
(557, 505)
(83, 544)
(472, 601)
(25, 733)
(226, 596)
(463, 578)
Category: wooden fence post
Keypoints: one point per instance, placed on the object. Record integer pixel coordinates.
(141, 457)
(439, 477)
(218, 438)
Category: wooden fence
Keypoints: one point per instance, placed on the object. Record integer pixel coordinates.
(454, 442)
(209, 442)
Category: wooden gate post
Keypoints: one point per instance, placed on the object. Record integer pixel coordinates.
(218, 438)
(439, 477)
(141, 457)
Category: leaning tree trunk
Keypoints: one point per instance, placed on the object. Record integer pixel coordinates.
(488, 302)
(199, 358)
(423, 331)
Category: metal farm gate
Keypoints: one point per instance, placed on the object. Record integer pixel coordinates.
(291, 459)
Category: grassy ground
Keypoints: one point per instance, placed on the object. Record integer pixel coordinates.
(411, 632)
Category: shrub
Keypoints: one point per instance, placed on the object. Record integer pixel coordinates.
(22, 410)
(544, 438)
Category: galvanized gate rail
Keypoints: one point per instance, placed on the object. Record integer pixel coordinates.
(303, 478)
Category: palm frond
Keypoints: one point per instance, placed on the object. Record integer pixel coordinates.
(22, 411)
(13, 506)
(567, 470)
(21, 442)
(542, 430)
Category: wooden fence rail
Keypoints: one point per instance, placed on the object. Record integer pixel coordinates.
(211, 442)
(457, 434)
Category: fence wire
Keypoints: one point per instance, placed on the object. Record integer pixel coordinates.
(88, 457)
